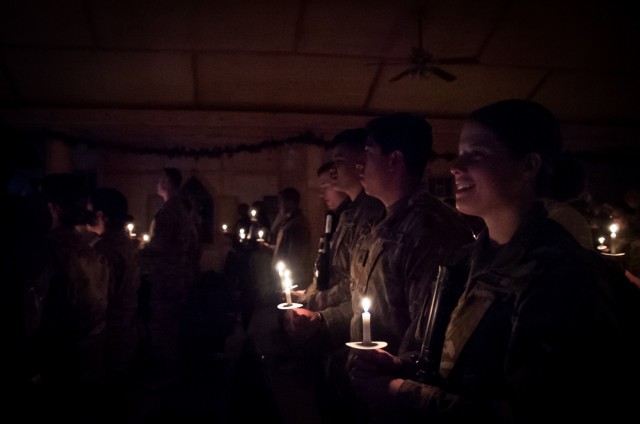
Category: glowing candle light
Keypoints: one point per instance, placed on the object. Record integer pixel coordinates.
(130, 229)
(366, 321)
(614, 229)
(280, 267)
(287, 286)
(253, 214)
(260, 235)
(224, 228)
(145, 237)
(601, 245)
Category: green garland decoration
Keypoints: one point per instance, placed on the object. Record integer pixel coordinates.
(197, 153)
(307, 138)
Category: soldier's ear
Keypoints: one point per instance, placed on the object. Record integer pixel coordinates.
(396, 160)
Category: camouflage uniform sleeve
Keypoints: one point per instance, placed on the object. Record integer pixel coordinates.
(336, 295)
(337, 320)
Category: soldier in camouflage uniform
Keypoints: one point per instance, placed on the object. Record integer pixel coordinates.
(544, 329)
(397, 263)
(329, 312)
(334, 305)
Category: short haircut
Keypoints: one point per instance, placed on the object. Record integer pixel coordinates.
(353, 138)
(290, 194)
(69, 193)
(523, 127)
(174, 176)
(410, 134)
(324, 168)
(112, 203)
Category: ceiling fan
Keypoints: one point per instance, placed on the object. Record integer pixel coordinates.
(422, 63)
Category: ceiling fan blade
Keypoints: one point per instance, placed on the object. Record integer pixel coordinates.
(443, 74)
(404, 74)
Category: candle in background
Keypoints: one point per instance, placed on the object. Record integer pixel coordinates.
(614, 229)
(601, 245)
(366, 321)
(145, 237)
(130, 229)
(260, 235)
(224, 228)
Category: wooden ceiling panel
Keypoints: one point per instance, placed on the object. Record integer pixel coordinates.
(200, 25)
(91, 78)
(276, 82)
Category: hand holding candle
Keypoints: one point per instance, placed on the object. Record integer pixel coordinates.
(366, 322)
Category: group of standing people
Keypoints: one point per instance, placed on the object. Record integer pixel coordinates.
(97, 305)
(515, 323)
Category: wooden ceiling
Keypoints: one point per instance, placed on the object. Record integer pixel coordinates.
(209, 72)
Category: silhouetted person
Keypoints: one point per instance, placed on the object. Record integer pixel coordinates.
(108, 215)
(168, 270)
(71, 335)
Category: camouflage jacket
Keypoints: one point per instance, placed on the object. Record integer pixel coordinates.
(355, 223)
(396, 264)
(544, 329)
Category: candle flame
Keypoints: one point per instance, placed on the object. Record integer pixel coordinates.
(280, 267)
(601, 240)
(224, 227)
(260, 233)
(366, 303)
(613, 228)
(145, 237)
(130, 227)
(253, 212)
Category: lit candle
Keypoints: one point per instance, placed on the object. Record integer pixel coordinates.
(281, 268)
(366, 322)
(130, 228)
(253, 214)
(260, 234)
(614, 229)
(601, 245)
(224, 228)
(145, 237)
(242, 234)
(287, 286)
(328, 224)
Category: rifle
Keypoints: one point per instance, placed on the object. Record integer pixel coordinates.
(446, 292)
